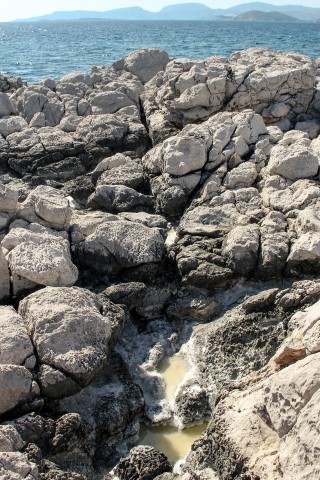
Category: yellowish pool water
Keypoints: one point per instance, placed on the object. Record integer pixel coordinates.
(173, 369)
(174, 443)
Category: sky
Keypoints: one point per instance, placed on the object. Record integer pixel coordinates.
(32, 8)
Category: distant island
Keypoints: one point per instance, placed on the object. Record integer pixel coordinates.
(256, 16)
(254, 11)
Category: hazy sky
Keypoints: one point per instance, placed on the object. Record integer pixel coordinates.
(30, 8)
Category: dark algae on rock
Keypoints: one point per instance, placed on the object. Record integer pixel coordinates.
(150, 208)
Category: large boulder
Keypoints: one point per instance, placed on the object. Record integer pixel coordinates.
(241, 247)
(39, 256)
(9, 125)
(294, 162)
(145, 63)
(275, 84)
(113, 246)
(47, 206)
(15, 343)
(143, 463)
(16, 466)
(69, 333)
(32, 100)
(15, 385)
(5, 105)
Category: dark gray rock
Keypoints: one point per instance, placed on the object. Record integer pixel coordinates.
(143, 463)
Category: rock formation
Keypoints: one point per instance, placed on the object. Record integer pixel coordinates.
(152, 207)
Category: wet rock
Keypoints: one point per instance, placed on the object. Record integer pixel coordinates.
(261, 301)
(191, 403)
(226, 349)
(56, 384)
(143, 463)
(129, 294)
(35, 429)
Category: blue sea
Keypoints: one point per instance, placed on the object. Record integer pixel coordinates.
(41, 50)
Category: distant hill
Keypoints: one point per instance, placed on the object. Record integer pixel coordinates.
(187, 11)
(256, 16)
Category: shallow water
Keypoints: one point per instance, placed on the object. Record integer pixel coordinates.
(40, 50)
(174, 443)
(172, 369)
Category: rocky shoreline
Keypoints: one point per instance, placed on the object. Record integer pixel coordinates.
(152, 207)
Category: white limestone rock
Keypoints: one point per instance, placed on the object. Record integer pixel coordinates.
(16, 466)
(109, 102)
(69, 332)
(15, 386)
(10, 439)
(114, 245)
(47, 206)
(4, 276)
(5, 105)
(145, 63)
(271, 83)
(40, 256)
(9, 125)
(185, 154)
(15, 343)
(242, 176)
(294, 162)
(306, 248)
(241, 247)
(35, 99)
(70, 123)
(38, 120)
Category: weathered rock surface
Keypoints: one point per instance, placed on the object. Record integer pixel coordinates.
(143, 463)
(69, 332)
(16, 466)
(189, 91)
(15, 343)
(39, 256)
(113, 246)
(182, 199)
(145, 64)
(16, 386)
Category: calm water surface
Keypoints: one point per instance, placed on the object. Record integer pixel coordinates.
(36, 51)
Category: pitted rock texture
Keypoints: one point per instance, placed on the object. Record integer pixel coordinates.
(69, 332)
(189, 91)
(143, 463)
(151, 207)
